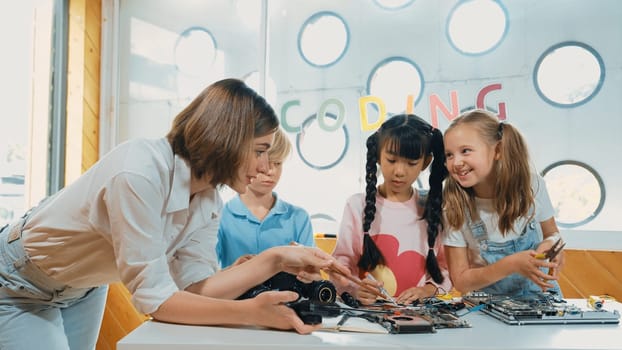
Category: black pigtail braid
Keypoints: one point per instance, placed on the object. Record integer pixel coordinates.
(371, 255)
(434, 202)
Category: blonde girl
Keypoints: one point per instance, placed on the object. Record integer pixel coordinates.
(497, 210)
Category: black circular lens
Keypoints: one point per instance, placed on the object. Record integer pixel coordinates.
(325, 292)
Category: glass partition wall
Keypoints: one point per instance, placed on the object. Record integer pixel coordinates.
(334, 70)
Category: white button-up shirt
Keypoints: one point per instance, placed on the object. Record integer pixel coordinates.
(130, 217)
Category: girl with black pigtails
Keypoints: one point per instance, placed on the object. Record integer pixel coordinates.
(391, 231)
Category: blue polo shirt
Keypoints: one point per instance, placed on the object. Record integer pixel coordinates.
(240, 232)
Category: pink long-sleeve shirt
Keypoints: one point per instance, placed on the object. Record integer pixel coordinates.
(401, 236)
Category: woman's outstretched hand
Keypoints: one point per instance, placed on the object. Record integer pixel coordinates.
(269, 309)
(305, 262)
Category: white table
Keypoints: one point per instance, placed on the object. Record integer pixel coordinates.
(486, 333)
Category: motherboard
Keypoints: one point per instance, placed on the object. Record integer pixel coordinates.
(543, 308)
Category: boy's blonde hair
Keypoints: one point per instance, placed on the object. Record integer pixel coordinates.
(281, 147)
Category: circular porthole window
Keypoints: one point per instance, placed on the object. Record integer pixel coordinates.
(576, 190)
(476, 27)
(394, 4)
(311, 144)
(569, 74)
(323, 39)
(393, 80)
(195, 51)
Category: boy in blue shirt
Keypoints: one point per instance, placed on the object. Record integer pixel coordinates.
(258, 219)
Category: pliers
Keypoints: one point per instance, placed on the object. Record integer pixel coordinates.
(552, 252)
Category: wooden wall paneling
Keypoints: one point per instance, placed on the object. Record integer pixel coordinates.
(91, 98)
(93, 33)
(568, 288)
(589, 272)
(607, 266)
(90, 139)
(75, 90)
(83, 78)
(612, 260)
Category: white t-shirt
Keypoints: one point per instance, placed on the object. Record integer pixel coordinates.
(128, 218)
(543, 211)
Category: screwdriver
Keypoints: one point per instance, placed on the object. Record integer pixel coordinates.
(388, 296)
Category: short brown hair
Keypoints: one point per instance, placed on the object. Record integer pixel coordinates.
(214, 133)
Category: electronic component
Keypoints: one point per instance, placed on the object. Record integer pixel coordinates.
(349, 300)
(402, 324)
(322, 290)
(440, 313)
(311, 312)
(318, 300)
(595, 302)
(544, 308)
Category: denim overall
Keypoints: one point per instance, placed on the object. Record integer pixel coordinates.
(37, 312)
(514, 285)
